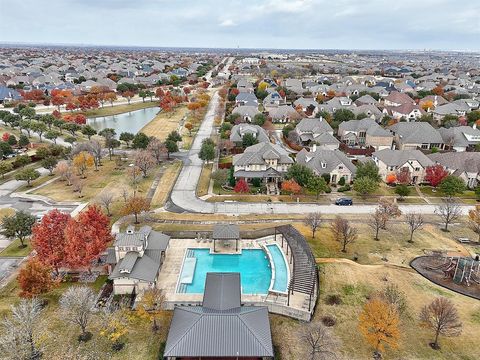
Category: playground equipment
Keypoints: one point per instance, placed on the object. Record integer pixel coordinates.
(460, 270)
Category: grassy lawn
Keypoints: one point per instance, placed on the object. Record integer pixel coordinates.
(15, 249)
(108, 110)
(166, 183)
(164, 123)
(432, 192)
(204, 181)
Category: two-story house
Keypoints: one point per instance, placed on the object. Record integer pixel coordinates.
(413, 135)
(239, 131)
(317, 131)
(364, 133)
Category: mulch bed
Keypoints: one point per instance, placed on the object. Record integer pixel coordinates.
(425, 266)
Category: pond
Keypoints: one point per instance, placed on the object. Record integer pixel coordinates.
(130, 122)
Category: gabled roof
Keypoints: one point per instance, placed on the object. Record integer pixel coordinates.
(255, 154)
(313, 126)
(416, 133)
(400, 157)
(324, 161)
(459, 161)
(226, 231)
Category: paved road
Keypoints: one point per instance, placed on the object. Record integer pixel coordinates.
(183, 196)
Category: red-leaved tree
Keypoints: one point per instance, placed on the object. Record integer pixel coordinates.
(403, 176)
(87, 236)
(48, 239)
(435, 174)
(35, 278)
(241, 186)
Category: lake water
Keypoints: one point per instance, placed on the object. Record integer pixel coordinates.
(127, 122)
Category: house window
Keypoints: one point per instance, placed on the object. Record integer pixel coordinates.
(417, 169)
(425, 146)
(340, 167)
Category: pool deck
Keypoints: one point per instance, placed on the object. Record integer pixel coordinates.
(172, 267)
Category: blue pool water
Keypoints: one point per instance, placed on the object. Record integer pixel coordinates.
(281, 272)
(252, 264)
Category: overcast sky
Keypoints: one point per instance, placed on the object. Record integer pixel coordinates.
(305, 24)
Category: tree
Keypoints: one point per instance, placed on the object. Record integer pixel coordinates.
(365, 185)
(389, 210)
(27, 175)
(300, 173)
(403, 176)
(392, 295)
(22, 160)
(115, 326)
(242, 187)
(368, 169)
(391, 179)
(171, 147)
(144, 161)
(111, 143)
(49, 163)
(88, 131)
(474, 221)
(23, 141)
(111, 97)
(376, 222)
(448, 210)
(415, 222)
(49, 240)
(220, 176)
(313, 221)
(319, 342)
(157, 149)
(318, 185)
(189, 127)
(150, 306)
(452, 185)
(378, 323)
(5, 167)
(39, 128)
(106, 199)
(135, 206)
(87, 237)
(19, 339)
(65, 171)
(402, 191)
(82, 161)
(126, 137)
(291, 187)
(435, 174)
(12, 140)
(95, 148)
(35, 279)
(52, 135)
(343, 232)
(140, 141)
(259, 119)
(207, 150)
(442, 317)
(77, 307)
(248, 140)
(342, 115)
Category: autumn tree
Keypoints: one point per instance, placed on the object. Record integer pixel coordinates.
(388, 210)
(379, 324)
(135, 206)
(115, 326)
(189, 127)
(77, 307)
(415, 222)
(110, 97)
(241, 187)
(150, 306)
(442, 317)
(48, 239)
(291, 187)
(65, 171)
(313, 221)
(435, 174)
(448, 210)
(157, 149)
(82, 161)
(343, 232)
(376, 221)
(144, 161)
(18, 226)
(35, 279)
(87, 236)
(474, 221)
(403, 176)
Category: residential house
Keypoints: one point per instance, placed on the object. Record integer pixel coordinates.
(239, 131)
(246, 98)
(407, 111)
(364, 133)
(283, 114)
(308, 106)
(245, 86)
(295, 85)
(318, 131)
(456, 109)
(247, 112)
(460, 138)
(465, 165)
(396, 98)
(273, 100)
(221, 328)
(7, 94)
(366, 100)
(392, 161)
(135, 259)
(413, 135)
(266, 161)
(332, 162)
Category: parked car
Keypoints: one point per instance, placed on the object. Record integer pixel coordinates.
(344, 202)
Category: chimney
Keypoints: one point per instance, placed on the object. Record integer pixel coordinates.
(474, 125)
(130, 230)
(314, 147)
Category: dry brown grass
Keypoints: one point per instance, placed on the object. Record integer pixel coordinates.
(204, 181)
(164, 123)
(166, 183)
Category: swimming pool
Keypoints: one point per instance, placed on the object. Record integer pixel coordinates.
(280, 281)
(253, 266)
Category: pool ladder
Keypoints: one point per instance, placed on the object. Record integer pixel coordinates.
(189, 253)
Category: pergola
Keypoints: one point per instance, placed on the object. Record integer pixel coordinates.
(226, 232)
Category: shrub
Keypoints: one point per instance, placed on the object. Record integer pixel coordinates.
(326, 177)
(344, 188)
(341, 182)
(328, 190)
(328, 320)
(334, 299)
(256, 182)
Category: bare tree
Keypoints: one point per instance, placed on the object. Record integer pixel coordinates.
(150, 306)
(376, 222)
(415, 222)
(157, 149)
(313, 221)
(394, 296)
(144, 161)
(19, 335)
(78, 185)
(343, 232)
(389, 210)
(125, 194)
(449, 211)
(77, 307)
(106, 199)
(442, 317)
(319, 342)
(134, 173)
(474, 221)
(96, 149)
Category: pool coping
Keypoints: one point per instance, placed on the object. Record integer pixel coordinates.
(274, 271)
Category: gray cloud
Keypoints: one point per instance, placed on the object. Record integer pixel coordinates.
(340, 24)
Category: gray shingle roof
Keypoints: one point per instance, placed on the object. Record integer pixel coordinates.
(400, 157)
(314, 126)
(226, 231)
(462, 161)
(330, 158)
(255, 154)
(416, 133)
(239, 130)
